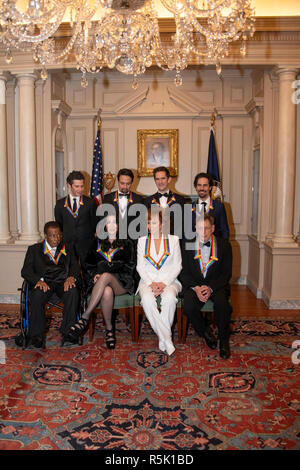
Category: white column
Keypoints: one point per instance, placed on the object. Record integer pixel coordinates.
(27, 159)
(4, 217)
(286, 159)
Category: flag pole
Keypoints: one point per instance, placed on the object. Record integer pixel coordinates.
(99, 120)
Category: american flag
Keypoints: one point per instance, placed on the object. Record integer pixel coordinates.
(97, 173)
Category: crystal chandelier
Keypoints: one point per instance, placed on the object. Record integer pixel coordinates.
(124, 34)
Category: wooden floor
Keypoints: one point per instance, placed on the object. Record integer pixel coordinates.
(244, 304)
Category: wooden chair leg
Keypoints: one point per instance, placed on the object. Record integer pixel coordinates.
(136, 323)
(179, 324)
(92, 325)
(184, 328)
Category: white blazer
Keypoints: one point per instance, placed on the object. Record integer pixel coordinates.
(169, 270)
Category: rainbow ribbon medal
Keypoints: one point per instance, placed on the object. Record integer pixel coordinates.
(49, 254)
(154, 201)
(211, 206)
(105, 254)
(74, 214)
(213, 255)
(116, 199)
(164, 256)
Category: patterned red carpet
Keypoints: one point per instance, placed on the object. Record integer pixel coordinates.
(135, 397)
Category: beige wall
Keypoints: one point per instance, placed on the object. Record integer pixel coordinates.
(245, 101)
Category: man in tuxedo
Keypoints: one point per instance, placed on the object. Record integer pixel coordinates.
(76, 215)
(125, 205)
(172, 203)
(206, 205)
(50, 267)
(206, 272)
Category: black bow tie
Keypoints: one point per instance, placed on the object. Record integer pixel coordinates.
(124, 195)
(163, 195)
(205, 244)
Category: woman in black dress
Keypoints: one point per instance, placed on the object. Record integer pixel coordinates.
(111, 266)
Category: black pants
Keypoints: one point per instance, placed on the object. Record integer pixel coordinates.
(222, 310)
(38, 298)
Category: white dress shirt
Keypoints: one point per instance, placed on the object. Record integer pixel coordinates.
(123, 202)
(201, 206)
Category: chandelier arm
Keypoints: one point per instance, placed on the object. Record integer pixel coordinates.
(175, 8)
(45, 56)
(24, 37)
(9, 11)
(219, 36)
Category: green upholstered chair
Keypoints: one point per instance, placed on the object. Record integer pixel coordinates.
(138, 312)
(208, 308)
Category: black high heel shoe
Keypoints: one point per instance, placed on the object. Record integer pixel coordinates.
(66, 338)
(78, 329)
(110, 339)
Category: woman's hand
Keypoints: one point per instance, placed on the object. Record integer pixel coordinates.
(157, 288)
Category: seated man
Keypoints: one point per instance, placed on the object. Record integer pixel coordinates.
(206, 272)
(50, 267)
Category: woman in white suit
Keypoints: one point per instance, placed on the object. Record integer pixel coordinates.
(159, 264)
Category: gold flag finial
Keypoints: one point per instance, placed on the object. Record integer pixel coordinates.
(99, 120)
(212, 120)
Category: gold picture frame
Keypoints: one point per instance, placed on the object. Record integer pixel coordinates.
(157, 147)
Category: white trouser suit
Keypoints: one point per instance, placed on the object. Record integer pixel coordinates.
(165, 272)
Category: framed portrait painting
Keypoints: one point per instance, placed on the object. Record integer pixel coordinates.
(157, 147)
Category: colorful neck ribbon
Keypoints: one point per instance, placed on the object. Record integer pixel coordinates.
(213, 255)
(172, 199)
(116, 199)
(49, 254)
(166, 253)
(69, 208)
(108, 256)
(211, 206)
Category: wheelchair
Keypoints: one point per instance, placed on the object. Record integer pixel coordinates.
(53, 302)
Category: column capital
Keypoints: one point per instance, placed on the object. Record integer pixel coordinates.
(32, 74)
(285, 70)
(4, 76)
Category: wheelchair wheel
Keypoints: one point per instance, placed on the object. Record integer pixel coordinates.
(24, 312)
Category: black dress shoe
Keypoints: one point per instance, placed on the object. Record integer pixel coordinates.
(22, 340)
(210, 340)
(68, 339)
(38, 342)
(224, 349)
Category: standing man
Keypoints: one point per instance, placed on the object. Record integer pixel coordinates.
(206, 272)
(76, 215)
(206, 205)
(172, 203)
(123, 201)
(50, 267)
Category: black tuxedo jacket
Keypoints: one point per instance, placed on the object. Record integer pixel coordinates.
(217, 210)
(218, 274)
(36, 263)
(176, 226)
(130, 215)
(80, 230)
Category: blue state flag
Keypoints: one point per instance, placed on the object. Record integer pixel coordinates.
(212, 162)
(97, 173)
